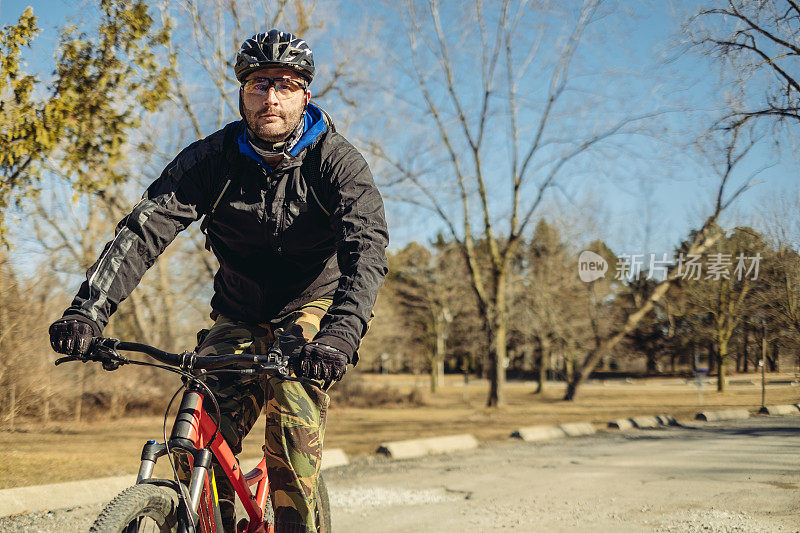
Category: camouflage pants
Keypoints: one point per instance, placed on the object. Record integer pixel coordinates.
(296, 415)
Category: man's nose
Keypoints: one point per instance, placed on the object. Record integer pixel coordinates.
(272, 96)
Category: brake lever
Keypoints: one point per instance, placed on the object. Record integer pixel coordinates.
(106, 352)
(68, 359)
(101, 350)
(281, 362)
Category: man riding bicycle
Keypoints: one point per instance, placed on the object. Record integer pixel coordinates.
(297, 224)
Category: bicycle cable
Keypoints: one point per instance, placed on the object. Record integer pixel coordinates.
(217, 411)
(184, 495)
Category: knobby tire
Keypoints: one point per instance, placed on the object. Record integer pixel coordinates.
(140, 501)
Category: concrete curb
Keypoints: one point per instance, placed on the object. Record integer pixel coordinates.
(333, 458)
(578, 429)
(538, 433)
(667, 420)
(642, 422)
(406, 449)
(621, 424)
(645, 422)
(727, 414)
(91, 491)
(57, 495)
(780, 410)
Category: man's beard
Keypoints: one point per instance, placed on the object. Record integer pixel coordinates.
(273, 131)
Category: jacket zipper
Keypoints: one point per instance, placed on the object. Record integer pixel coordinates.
(279, 236)
(279, 229)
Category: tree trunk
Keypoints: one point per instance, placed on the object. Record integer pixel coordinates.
(712, 358)
(498, 349)
(721, 360)
(746, 349)
(652, 363)
(497, 370)
(435, 373)
(437, 361)
(545, 357)
(569, 366)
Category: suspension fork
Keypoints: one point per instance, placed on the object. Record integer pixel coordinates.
(187, 438)
(200, 478)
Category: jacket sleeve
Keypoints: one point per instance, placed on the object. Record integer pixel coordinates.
(172, 202)
(359, 223)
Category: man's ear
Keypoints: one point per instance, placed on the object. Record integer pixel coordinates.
(308, 96)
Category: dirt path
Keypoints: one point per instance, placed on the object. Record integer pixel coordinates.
(731, 477)
(726, 477)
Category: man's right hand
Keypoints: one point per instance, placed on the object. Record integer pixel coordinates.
(71, 335)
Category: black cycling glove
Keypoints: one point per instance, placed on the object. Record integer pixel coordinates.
(72, 334)
(323, 362)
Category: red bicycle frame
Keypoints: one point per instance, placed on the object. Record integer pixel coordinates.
(196, 434)
(194, 429)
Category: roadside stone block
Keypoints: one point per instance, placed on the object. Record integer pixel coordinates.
(577, 429)
(58, 495)
(404, 449)
(333, 457)
(780, 410)
(535, 433)
(621, 424)
(726, 414)
(644, 422)
(667, 420)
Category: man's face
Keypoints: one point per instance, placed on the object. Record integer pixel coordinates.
(272, 116)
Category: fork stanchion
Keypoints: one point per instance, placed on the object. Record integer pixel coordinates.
(202, 462)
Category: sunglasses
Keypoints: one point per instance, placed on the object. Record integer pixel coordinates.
(284, 87)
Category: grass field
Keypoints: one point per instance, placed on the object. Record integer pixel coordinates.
(63, 451)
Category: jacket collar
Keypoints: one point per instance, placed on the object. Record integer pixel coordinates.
(315, 124)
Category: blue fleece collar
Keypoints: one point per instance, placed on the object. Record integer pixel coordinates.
(313, 127)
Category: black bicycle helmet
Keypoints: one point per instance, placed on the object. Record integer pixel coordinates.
(274, 49)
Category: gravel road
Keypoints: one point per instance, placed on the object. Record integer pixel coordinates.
(739, 476)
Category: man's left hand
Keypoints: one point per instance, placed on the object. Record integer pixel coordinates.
(323, 362)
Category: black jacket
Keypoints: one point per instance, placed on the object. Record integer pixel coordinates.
(277, 248)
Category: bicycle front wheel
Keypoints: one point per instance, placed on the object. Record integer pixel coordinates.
(138, 509)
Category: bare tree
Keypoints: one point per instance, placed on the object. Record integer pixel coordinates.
(698, 243)
(781, 218)
(474, 86)
(758, 41)
(724, 293)
(554, 310)
(422, 282)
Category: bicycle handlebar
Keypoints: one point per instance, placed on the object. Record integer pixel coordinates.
(104, 350)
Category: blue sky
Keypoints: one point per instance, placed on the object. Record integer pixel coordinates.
(648, 207)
